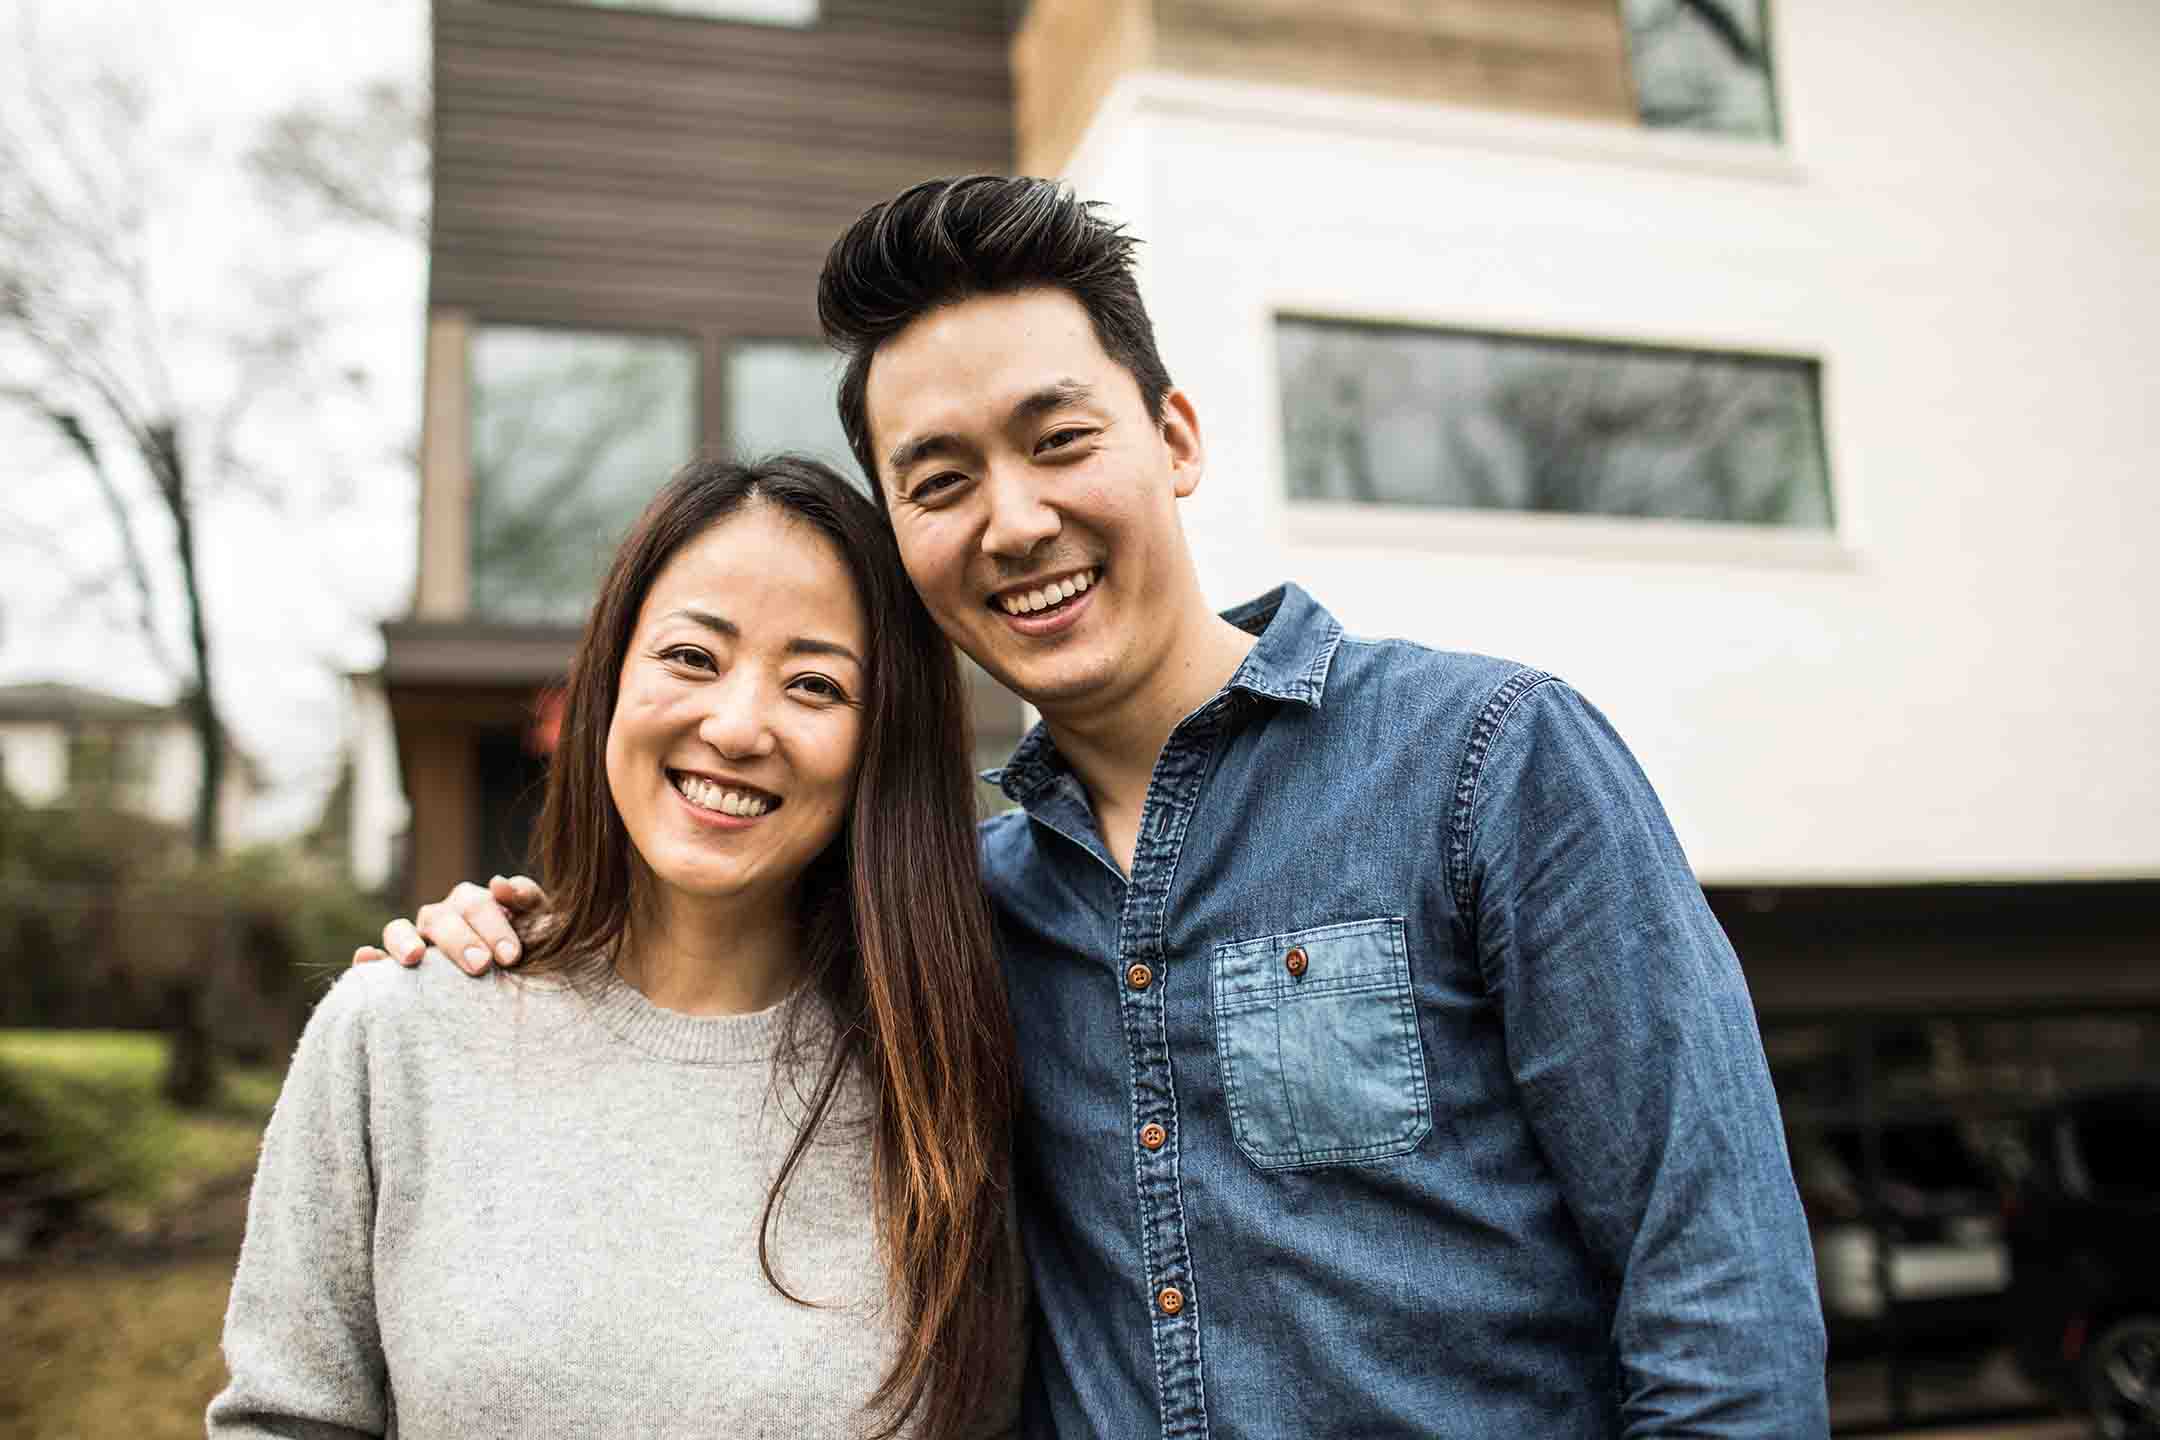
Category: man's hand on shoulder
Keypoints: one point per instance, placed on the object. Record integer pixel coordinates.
(475, 926)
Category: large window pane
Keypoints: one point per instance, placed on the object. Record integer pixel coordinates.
(780, 396)
(1702, 65)
(571, 435)
(1465, 420)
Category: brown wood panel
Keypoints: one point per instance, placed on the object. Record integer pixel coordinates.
(628, 170)
(1557, 57)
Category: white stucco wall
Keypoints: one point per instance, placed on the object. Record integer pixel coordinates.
(1962, 224)
(34, 759)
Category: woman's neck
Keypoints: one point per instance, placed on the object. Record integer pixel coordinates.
(707, 957)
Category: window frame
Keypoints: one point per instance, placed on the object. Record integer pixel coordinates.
(1649, 539)
(698, 347)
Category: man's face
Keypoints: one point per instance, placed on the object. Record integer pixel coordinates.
(1033, 497)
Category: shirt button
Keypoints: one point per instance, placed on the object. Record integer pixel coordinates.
(1295, 962)
(1153, 1135)
(1139, 977)
(1171, 1299)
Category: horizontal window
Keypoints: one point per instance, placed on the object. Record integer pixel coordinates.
(1702, 65)
(1467, 420)
(572, 432)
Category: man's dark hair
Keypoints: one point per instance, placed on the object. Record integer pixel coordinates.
(944, 241)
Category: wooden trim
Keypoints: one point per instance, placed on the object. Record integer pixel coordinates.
(445, 579)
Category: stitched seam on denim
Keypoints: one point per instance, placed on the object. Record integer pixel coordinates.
(1206, 741)
(1490, 721)
(1179, 772)
(1307, 933)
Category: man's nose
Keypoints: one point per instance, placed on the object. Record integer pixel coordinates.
(738, 716)
(1020, 519)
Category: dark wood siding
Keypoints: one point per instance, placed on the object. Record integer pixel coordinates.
(626, 170)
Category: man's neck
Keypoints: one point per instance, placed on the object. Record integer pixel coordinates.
(1112, 747)
(699, 957)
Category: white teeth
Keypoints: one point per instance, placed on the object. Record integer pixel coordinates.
(1049, 595)
(706, 795)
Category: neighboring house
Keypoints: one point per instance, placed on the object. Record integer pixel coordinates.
(630, 208)
(66, 745)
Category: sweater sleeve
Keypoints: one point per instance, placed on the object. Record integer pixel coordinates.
(301, 1341)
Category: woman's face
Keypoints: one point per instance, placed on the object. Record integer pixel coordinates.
(732, 751)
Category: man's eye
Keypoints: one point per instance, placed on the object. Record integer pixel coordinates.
(1059, 439)
(936, 483)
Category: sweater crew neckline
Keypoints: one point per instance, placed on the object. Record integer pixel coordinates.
(682, 1039)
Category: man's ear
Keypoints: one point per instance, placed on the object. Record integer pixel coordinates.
(1180, 426)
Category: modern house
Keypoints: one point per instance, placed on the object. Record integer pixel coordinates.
(1777, 374)
(630, 208)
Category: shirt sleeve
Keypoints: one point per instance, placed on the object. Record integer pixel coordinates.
(301, 1341)
(1633, 1043)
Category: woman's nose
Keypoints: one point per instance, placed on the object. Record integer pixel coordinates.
(738, 717)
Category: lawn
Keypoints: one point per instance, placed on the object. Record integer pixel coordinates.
(118, 1335)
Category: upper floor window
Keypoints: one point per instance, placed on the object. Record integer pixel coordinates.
(572, 432)
(781, 396)
(1469, 420)
(1702, 65)
(758, 12)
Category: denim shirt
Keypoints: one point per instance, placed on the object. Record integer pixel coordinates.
(1408, 1086)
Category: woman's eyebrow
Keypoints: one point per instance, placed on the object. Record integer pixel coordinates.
(799, 645)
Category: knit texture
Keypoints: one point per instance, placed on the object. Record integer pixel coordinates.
(517, 1208)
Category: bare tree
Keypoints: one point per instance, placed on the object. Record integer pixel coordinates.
(107, 352)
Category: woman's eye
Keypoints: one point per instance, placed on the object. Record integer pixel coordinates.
(687, 656)
(821, 687)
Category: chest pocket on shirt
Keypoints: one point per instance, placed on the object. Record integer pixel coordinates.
(1316, 1032)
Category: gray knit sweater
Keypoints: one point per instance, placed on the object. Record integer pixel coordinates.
(511, 1208)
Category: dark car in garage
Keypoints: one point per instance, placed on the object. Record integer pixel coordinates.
(2084, 1235)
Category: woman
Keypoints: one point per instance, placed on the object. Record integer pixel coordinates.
(730, 1156)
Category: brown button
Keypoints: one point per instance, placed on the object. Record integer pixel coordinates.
(1171, 1299)
(1153, 1135)
(1295, 962)
(1139, 977)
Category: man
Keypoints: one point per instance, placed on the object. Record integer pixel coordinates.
(1384, 1071)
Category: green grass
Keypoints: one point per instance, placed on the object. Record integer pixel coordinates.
(91, 1104)
(103, 1350)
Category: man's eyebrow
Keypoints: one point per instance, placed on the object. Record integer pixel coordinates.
(1056, 395)
(922, 447)
(800, 645)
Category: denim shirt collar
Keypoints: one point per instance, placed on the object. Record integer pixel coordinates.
(1298, 640)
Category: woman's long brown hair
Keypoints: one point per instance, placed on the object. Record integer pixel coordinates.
(896, 933)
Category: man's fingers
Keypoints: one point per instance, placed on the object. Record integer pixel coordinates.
(447, 931)
(401, 940)
(518, 892)
(489, 920)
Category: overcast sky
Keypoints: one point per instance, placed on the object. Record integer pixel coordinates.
(293, 598)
